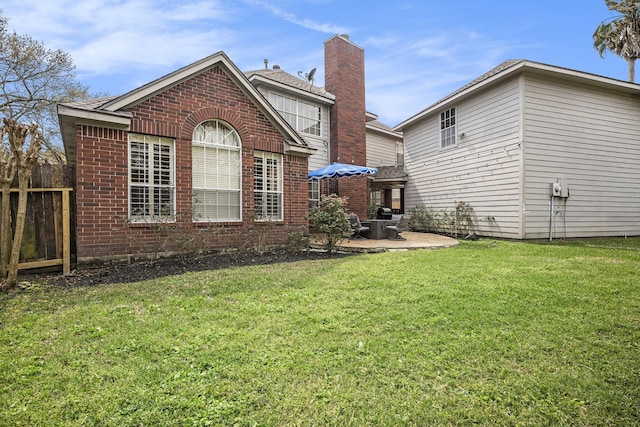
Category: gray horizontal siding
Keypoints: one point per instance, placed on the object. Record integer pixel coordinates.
(381, 149)
(483, 170)
(591, 138)
(321, 157)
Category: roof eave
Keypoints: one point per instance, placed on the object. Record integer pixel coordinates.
(398, 179)
(392, 133)
(449, 100)
(258, 80)
(70, 117)
(218, 59)
(298, 150)
(82, 116)
(521, 66)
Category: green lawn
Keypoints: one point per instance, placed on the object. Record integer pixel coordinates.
(489, 333)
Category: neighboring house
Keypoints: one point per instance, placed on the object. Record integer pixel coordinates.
(538, 151)
(199, 151)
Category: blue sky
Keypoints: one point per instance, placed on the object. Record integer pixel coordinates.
(416, 52)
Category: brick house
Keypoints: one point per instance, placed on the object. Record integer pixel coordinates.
(333, 120)
(197, 153)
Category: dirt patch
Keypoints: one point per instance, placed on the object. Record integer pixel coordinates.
(170, 266)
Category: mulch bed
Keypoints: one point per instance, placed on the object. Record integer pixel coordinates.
(169, 266)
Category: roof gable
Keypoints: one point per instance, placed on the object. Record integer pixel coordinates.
(113, 110)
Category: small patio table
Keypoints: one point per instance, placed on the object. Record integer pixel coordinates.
(378, 228)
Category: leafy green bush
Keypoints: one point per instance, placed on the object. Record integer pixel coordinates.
(463, 218)
(421, 218)
(330, 219)
(457, 222)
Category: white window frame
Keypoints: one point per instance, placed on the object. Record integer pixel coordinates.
(314, 193)
(216, 172)
(448, 123)
(301, 115)
(268, 186)
(152, 176)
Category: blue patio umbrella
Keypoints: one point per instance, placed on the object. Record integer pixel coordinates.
(337, 170)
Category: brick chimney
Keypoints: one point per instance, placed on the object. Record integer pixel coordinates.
(344, 78)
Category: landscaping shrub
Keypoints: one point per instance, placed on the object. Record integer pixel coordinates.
(331, 220)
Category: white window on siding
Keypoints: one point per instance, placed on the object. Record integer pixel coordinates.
(151, 178)
(216, 172)
(304, 117)
(448, 128)
(267, 186)
(314, 193)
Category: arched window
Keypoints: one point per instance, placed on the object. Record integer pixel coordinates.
(217, 172)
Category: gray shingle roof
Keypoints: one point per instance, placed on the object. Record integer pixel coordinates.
(290, 80)
(379, 125)
(90, 104)
(390, 173)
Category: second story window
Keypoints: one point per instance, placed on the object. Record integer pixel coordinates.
(303, 116)
(448, 128)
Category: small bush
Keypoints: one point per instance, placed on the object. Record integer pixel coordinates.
(463, 218)
(297, 239)
(330, 219)
(421, 218)
(457, 222)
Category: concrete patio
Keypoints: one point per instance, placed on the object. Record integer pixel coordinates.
(412, 240)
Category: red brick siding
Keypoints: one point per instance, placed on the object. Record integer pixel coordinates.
(102, 169)
(344, 77)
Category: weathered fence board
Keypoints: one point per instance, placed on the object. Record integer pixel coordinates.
(48, 235)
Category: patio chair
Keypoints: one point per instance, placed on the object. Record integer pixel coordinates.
(395, 227)
(357, 227)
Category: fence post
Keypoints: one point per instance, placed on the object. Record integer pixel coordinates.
(66, 235)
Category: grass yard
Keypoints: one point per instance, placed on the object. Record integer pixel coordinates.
(489, 333)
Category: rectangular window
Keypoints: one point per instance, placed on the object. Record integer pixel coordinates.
(448, 128)
(314, 193)
(304, 117)
(151, 178)
(267, 186)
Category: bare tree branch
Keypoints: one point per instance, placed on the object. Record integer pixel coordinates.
(33, 80)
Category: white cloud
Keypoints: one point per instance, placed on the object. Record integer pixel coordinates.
(128, 49)
(134, 41)
(309, 24)
(107, 37)
(405, 75)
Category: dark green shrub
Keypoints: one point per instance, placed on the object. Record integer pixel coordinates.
(330, 219)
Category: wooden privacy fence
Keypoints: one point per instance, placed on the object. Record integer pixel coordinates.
(48, 232)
